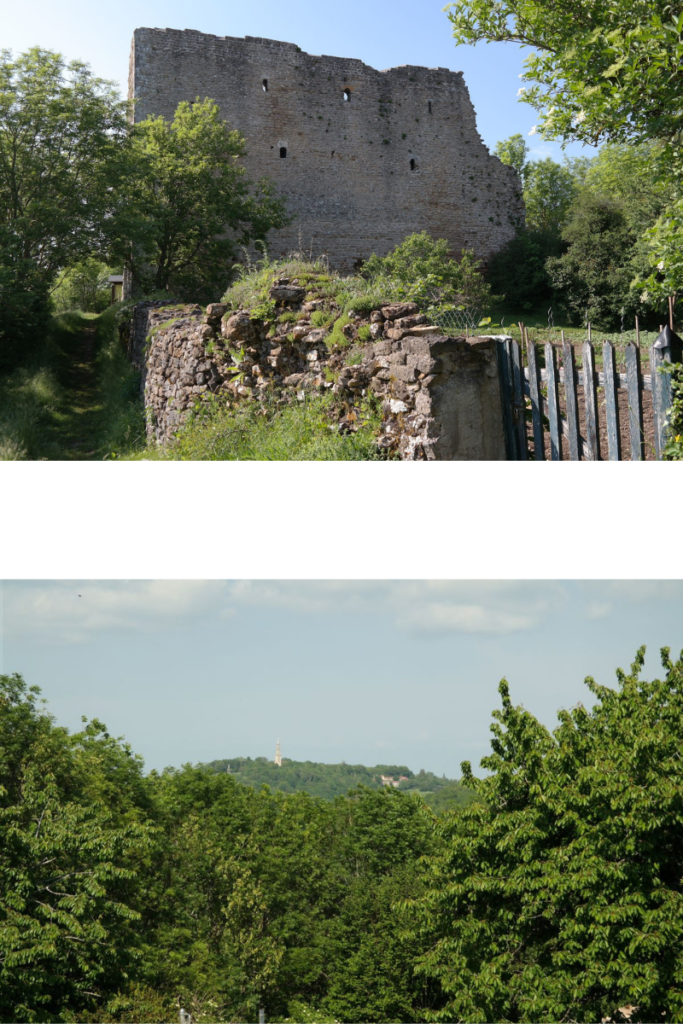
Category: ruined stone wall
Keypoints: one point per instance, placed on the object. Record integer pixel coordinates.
(368, 156)
(440, 395)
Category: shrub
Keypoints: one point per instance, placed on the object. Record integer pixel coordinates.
(518, 270)
(421, 270)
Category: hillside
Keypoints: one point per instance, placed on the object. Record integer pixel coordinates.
(332, 780)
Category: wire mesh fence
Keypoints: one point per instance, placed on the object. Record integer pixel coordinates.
(465, 318)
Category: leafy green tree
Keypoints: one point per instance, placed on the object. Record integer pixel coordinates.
(594, 276)
(597, 71)
(518, 271)
(188, 204)
(513, 151)
(549, 191)
(559, 896)
(67, 863)
(83, 286)
(61, 131)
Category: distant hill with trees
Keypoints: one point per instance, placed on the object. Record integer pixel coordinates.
(332, 780)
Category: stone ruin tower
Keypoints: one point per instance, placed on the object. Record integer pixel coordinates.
(363, 157)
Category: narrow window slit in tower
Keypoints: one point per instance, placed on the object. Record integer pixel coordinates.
(413, 165)
(347, 95)
(265, 85)
(283, 151)
(430, 106)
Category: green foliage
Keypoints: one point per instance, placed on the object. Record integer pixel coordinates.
(558, 897)
(513, 152)
(421, 270)
(664, 255)
(188, 205)
(331, 780)
(61, 135)
(319, 318)
(597, 72)
(70, 844)
(255, 432)
(673, 451)
(84, 287)
(594, 276)
(549, 191)
(364, 333)
(121, 426)
(633, 177)
(518, 270)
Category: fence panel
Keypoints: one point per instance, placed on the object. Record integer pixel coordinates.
(604, 420)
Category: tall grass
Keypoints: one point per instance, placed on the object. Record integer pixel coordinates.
(32, 395)
(122, 420)
(252, 432)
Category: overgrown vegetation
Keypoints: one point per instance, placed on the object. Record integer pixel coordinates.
(125, 896)
(78, 398)
(265, 432)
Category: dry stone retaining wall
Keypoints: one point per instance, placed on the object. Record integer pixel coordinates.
(363, 157)
(440, 394)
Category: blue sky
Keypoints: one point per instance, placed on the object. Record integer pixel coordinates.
(381, 33)
(368, 672)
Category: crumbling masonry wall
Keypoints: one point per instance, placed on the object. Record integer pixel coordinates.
(440, 395)
(363, 157)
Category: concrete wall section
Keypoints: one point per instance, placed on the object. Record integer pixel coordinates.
(400, 154)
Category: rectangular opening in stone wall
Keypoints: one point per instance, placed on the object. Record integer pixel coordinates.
(283, 152)
(347, 95)
(430, 106)
(265, 85)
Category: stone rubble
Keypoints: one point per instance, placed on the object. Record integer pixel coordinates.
(440, 394)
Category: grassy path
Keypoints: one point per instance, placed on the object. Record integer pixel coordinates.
(76, 419)
(78, 401)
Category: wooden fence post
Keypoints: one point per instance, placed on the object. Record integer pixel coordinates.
(635, 405)
(536, 399)
(505, 379)
(611, 402)
(590, 401)
(553, 402)
(570, 399)
(520, 403)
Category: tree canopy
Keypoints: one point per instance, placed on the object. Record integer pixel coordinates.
(598, 71)
(187, 205)
(558, 897)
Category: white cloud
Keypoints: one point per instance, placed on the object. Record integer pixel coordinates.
(70, 612)
(430, 606)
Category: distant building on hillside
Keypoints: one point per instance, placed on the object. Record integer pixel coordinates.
(278, 755)
(391, 780)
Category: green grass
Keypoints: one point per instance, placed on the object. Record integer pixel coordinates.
(78, 400)
(305, 431)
